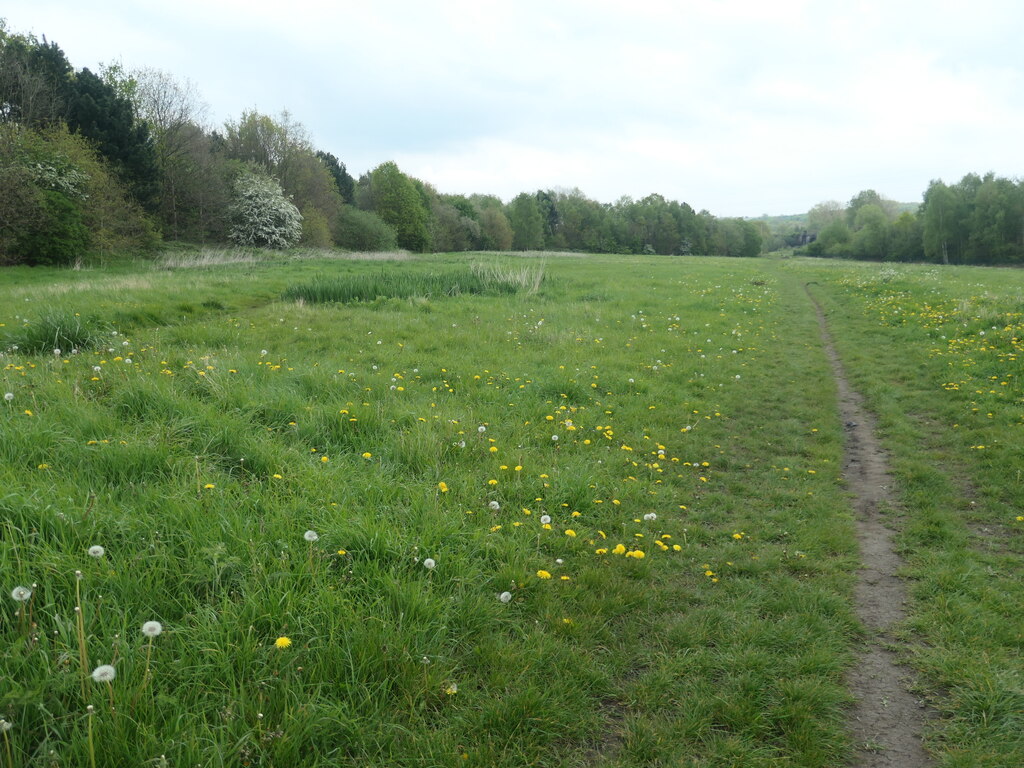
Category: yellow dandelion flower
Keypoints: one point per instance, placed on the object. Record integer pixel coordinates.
(565, 578)
(442, 487)
(602, 551)
(324, 459)
(543, 575)
(619, 550)
(283, 642)
(492, 482)
(367, 455)
(208, 486)
(570, 533)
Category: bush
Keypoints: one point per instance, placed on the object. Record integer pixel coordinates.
(363, 231)
(59, 236)
(261, 215)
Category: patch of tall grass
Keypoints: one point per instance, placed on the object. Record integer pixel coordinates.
(481, 279)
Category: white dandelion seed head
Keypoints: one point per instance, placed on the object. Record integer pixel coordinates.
(505, 597)
(8, 396)
(494, 506)
(311, 536)
(554, 438)
(96, 551)
(545, 519)
(429, 563)
(650, 516)
(21, 594)
(124, 343)
(127, 361)
(481, 429)
(559, 561)
(56, 353)
(97, 368)
(264, 353)
(5, 726)
(104, 673)
(152, 628)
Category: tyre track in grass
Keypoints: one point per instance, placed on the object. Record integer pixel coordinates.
(886, 720)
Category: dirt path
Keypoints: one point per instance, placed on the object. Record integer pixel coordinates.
(887, 720)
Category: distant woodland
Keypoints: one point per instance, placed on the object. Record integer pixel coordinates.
(124, 160)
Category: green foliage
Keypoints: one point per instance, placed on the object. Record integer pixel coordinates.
(363, 231)
(395, 198)
(59, 202)
(315, 231)
(261, 215)
(58, 237)
(526, 221)
(107, 119)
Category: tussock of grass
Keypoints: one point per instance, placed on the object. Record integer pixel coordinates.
(55, 330)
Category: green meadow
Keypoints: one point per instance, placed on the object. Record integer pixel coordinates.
(493, 510)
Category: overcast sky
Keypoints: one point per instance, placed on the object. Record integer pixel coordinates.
(740, 107)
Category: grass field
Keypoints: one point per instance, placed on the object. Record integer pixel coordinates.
(494, 511)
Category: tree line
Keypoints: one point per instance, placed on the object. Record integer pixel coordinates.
(123, 159)
(978, 220)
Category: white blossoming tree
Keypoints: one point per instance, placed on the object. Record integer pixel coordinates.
(261, 215)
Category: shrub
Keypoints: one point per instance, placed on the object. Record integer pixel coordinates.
(363, 231)
(261, 215)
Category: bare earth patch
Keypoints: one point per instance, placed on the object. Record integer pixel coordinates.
(886, 721)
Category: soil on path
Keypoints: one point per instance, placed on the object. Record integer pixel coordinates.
(886, 720)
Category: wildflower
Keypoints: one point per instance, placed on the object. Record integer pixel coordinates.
(21, 594)
(505, 597)
(443, 487)
(545, 519)
(619, 550)
(429, 564)
(342, 551)
(152, 628)
(283, 642)
(493, 449)
(5, 726)
(493, 506)
(311, 536)
(367, 455)
(452, 689)
(8, 396)
(650, 516)
(554, 438)
(481, 429)
(543, 575)
(96, 551)
(570, 533)
(277, 476)
(324, 459)
(104, 673)
(208, 486)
